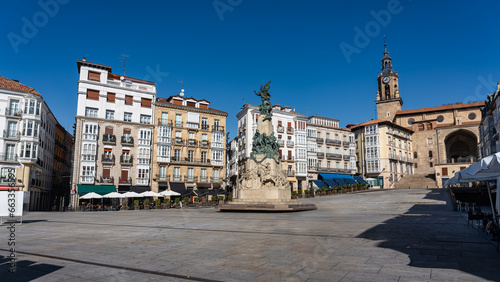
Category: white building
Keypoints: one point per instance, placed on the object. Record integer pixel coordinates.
(28, 130)
(114, 125)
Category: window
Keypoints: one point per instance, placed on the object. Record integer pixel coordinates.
(472, 116)
(177, 155)
(163, 172)
(440, 119)
(145, 119)
(127, 116)
(110, 114)
(164, 118)
(90, 112)
(108, 130)
(216, 175)
(421, 127)
(431, 164)
(95, 76)
(14, 107)
(190, 174)
(92, 94)
(415, 155)
(145, 103)
(430, 154)
(203, 175)
(204, 123)
(178, 120)
(128, 100)
(444, 171)
(177, 173)
(190, 156)
(111, 97)
(410, 121)
(10, 150)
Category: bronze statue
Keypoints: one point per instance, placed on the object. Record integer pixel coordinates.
(265, 107)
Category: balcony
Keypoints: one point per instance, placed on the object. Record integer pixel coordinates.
(467, 159)
(164, 122)
(127, 140)
(110, 181)
(333, 156)
(215, 179)
(280, 129)
(287, 158)
(289, 143)
(125, 181)
(9, 157)
(319, 140)
(289, 130)
(216, 127)
(109, 139)
(126, 160)
(108, 159)
(320, 154)
(329, 169)
(281, 142)
(333, 142)
(290, 172)
(192, 142)
(162, 178)
(178, 141)
(205, 143)
(346, 143)
(178, 124)
(205, 127)
(11, 112)
(11, 134)
(346, 157)
(191, 161)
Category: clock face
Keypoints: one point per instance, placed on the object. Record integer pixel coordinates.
(386, 79)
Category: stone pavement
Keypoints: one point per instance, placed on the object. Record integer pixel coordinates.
(385, 235)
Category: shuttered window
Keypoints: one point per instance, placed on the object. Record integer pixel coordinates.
(108, 130)
(111, 97)
(191, 104)
(92, 94)
(145, 103)
(95, 76)
(106, 172)
(445, 171)
(126, 131)
(177, 102)
(128, 100)
(204, 106)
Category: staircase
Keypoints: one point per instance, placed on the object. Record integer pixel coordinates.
(416, 181)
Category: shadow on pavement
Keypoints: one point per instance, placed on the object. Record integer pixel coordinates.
(26, 270)
(434, 236)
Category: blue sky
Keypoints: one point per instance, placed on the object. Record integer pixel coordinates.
(444, 51)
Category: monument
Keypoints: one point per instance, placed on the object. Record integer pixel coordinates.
(264, 186)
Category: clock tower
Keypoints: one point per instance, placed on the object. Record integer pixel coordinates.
(388, 99)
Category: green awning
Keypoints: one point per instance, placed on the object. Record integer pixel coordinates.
(99, 189)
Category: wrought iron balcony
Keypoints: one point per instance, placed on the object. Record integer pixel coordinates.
(164, 122)
(319, 140)
(216, 127)
(108, 159)
(11, 134)
(109, 139)
(289, 129)
(320, 154)
(12, 112)
(333, 142)
(128, 140)
(333, 156)
(125, 180)
(8, 157)
(280, 129)
(110, 181)
(126, 160)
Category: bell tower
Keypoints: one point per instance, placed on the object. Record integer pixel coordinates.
(388, 99)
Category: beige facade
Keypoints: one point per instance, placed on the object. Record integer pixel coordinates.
(189, 149)
(383, 152)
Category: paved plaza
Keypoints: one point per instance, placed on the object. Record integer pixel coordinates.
(385, 235)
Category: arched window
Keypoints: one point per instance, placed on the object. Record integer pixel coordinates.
(387, 92)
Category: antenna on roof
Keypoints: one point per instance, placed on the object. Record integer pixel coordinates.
(124, 59)
(182, 82)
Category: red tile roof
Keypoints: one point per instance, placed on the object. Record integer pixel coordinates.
(441, 108)
(14, 85)
(376, 121)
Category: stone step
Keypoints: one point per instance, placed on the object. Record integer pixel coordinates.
(416, 181)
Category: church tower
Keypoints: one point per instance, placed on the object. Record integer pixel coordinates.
(388, 99)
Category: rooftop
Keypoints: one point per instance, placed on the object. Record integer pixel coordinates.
(6, 83)
(441, 108)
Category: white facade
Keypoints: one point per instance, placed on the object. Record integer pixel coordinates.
(27, 142)
(114, 127)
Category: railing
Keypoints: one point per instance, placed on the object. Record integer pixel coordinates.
(9, 157)
(320, 154)
(192, 142)
(289, 129)
(195, 161)
(125, 180)
(108, 159)
(346, 143)
(126, 160)
(178, 141)
(281, 142)
(109, 139)
(347, 156)
(128, 141)
(467, 159)
(178, 124)
(280, 129)
(107, 180)
(287, 158)
(289, 143)
(319, 140)
(333, 142)
(290, 172)
(205, 127)
(164, 122)
(13, 112)
(205, 143)
(333, 156)
(162, 177)
(215, 179)
(217, 128)
(11, 134)
(329, 169)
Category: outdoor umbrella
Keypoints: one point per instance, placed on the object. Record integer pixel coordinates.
(151, 194)
(133, 195)
(91, 195)
(114, 195)
(169, 193)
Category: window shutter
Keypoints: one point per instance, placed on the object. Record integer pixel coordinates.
(106, 172)
(92, 94)
(96, 76)
(128, 100)
(145, 103)
(126, 131)
(108, 130)
(111, 97)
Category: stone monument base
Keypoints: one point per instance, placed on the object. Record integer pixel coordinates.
(266, 207)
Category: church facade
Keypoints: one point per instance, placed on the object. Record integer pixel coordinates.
(444, 138)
